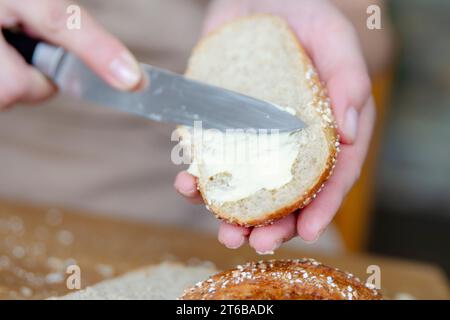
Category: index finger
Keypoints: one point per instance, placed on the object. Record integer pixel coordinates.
(102, 52)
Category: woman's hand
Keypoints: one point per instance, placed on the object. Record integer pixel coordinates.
(332, 44)
(47, 19)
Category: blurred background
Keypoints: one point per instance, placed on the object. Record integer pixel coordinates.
(65, 155)
(411, 214)
(401, 207)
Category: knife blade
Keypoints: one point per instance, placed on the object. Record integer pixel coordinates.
(168, 97)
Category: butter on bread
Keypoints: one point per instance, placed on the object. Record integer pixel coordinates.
(260, 56)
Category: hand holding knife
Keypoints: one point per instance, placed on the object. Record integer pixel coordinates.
(168, 97)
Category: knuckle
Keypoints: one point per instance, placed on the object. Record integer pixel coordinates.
(362, 88)
(350, 181)
(54, 16)
(341, 27)
(365, 85)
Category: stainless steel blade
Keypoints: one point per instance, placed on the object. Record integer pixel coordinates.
(174, 99)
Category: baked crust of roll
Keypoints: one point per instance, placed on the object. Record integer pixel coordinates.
(302, 279)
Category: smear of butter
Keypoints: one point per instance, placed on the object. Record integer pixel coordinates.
(244, 162)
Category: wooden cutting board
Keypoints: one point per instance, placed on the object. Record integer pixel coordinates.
(37, 244)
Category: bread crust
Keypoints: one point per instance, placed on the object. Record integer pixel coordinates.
(302, 279)
(319, 96)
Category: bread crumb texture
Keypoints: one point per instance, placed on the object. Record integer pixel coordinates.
(165, 281)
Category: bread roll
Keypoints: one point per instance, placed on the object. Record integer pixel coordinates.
(304, 279)
(261, 57)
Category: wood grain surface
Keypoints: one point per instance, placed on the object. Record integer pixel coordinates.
(38, 243)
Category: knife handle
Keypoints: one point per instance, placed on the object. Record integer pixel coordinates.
(24, 44)
(36, 52)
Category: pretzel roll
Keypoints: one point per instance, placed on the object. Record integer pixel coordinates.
(304, 279)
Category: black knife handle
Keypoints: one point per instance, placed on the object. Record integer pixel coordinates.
(24, 44)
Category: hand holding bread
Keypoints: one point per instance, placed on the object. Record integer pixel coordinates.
(328, 42)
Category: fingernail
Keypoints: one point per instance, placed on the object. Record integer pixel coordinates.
(126, 71)
(234, 246)
(272, 250)
(185, 188)
(187, 193)
(265, 253)
(351, 123)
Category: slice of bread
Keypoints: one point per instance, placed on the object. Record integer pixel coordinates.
(260, 56)
(165, 281)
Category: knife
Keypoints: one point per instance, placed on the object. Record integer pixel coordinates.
(168, 97)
